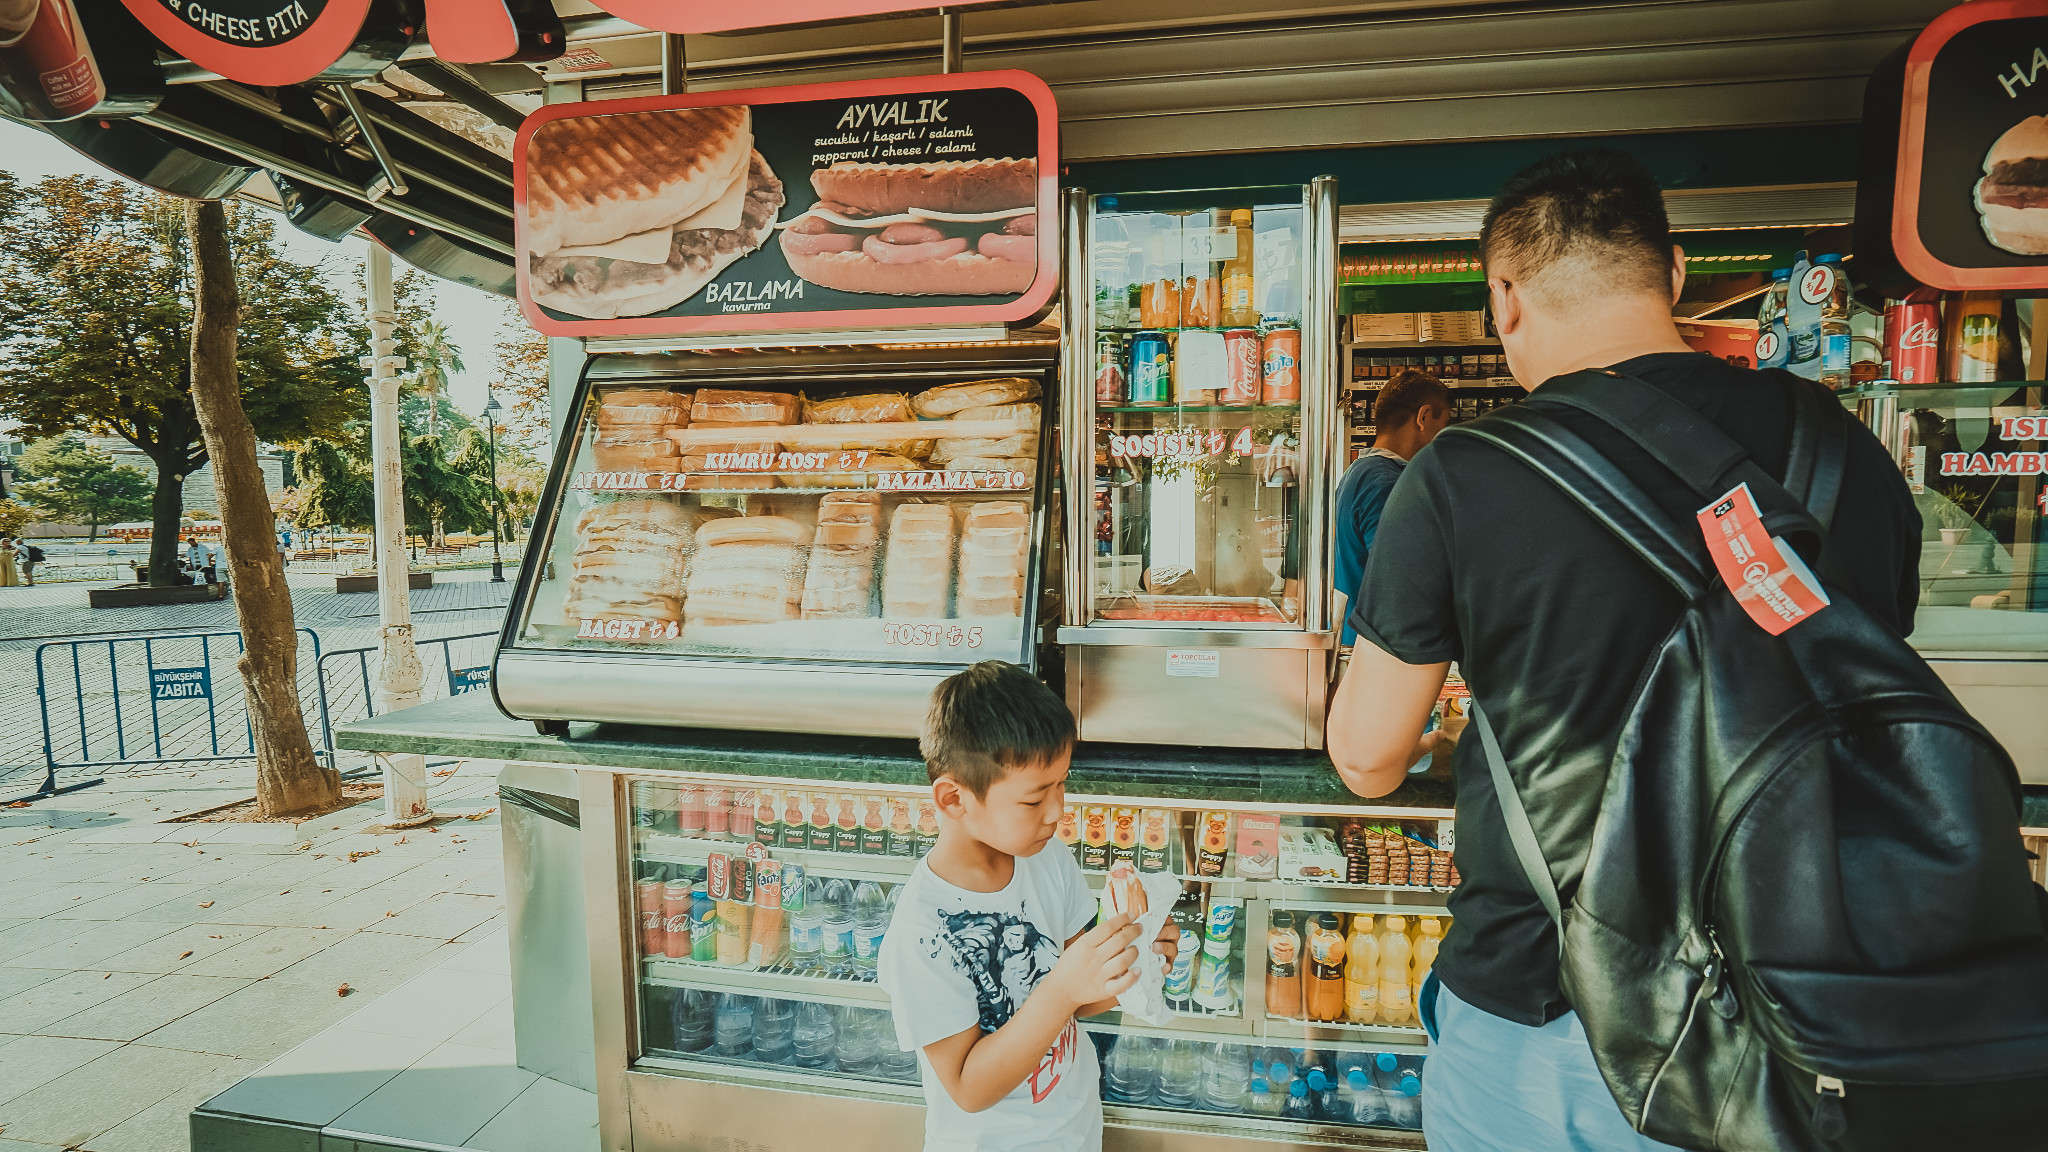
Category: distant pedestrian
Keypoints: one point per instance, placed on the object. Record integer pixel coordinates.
(9, 578)
(195, 555)
(211, 555)
(30, 557)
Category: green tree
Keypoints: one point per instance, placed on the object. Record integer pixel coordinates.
(336, 481)
(67, 481)
(434, 357)
(95, 321)
(439, 493)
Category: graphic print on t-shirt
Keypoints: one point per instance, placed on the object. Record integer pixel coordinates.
(1003, 957)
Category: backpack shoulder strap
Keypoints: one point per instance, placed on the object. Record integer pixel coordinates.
(1521, 833)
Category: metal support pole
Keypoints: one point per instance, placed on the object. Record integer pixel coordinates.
(398, 665)
(395, 184)
(952, 56)
(675, 65)
(491, 423)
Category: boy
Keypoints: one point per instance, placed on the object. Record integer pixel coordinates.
(990, 957)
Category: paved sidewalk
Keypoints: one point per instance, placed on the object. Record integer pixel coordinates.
(146, 966)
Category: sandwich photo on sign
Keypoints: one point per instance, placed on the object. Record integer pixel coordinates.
(630, 215)
(952, 228)
(2012, 198)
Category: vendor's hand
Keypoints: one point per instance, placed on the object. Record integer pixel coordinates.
(1097, 965)
(1167, 943)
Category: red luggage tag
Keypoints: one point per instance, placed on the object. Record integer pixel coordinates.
(1768, 577)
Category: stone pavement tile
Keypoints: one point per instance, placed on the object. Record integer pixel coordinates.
(549, 1116)
(434, 1005)
(185, 907)
(322, 1078)
(16, 980)
(489, 950)
(443, 916)
(166, 1126)
(294, 871)
(33, 1061)
(60, 897)
(184, 949)
(8, 1144)
(30, 935)
(357, 910)
(492, 1029)
(132, 1014)
(369, 962)
(67, 995)
(263, 952)
(134, 833)
(258, 833)
(287, 908)
(158, 862)
(88, 1100)
(260, 1023)
(116, 901)
(96, 941)
(446, 1096)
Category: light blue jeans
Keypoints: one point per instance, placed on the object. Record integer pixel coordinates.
(1492, 1085)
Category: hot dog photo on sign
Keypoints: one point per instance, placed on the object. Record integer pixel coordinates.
(912, 201)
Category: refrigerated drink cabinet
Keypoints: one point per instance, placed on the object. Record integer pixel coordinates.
(801, 541)
(1201, 444)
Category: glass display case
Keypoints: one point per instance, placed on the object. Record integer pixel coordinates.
(805, 542)
(1972, 454)
(758, 912)
(1200, 400)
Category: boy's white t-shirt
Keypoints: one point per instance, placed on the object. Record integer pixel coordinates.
(953, 959)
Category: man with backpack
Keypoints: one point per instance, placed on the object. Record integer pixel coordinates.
(30, 557)
(1787, 865)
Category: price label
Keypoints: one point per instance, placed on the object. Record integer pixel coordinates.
(628, 629)
(1766, 345)
(1207, 245)
(931, 635)
(1818, 284)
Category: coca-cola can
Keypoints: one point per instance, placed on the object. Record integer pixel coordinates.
(1241, 367)
(1109, 370)
(675, 915)
(1912, 341)
(718, 876)
(653, 919)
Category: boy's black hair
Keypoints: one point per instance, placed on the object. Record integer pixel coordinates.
(1599, 204)
(989, 719)
(1410, 391)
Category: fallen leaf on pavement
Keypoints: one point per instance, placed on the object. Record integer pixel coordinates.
(391, 913)
(355, 856)
(213, 937)
(188, 951)
(400, 840)
(341, 991)
(445, 772)
(206, 903)
(104, 975)
(19, 804)
(479, 815)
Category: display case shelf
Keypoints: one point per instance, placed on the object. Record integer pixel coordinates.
(781, 982)
(1431, 345)
(1142, 408)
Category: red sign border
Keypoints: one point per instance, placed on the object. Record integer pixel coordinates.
(1025, 307)
(310, 53)
(667, 16)
(1913, 256)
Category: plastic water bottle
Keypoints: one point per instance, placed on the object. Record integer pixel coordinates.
(733, 1026)
(1223, 1078)
(692, 1011)
(1261, 1101)
(807, 929)
(897, 1063)
(1297, 1106)
(1368, 1105)
(860, 1042)
(774, 1031)
(1400, 1083)
(870, 922)
(1280, 1071)
(1132, 1072)
(814, 1042)
(835, 910)
(1321, 1090)
(1834, 327)
(1180, 1074)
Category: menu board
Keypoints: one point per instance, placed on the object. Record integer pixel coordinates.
(894, 203)
(1972, 193)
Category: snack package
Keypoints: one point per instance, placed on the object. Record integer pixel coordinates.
(947, 399)
(731, 404)
(1258, 846)
(1215, 845)
(1149, 897)
(875, 408)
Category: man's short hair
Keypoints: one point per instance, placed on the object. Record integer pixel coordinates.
(989, 719)
(1580, 226)
(1409, 392)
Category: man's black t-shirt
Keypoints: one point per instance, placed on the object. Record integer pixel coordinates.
(1551, 620)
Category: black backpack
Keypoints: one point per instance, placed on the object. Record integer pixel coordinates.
(35, 554)
(1804, 920)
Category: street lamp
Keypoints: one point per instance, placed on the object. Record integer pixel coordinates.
(491, 410)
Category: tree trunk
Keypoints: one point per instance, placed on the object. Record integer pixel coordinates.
(166, 508)
(288, 778)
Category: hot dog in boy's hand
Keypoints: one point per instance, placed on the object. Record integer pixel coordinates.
(1122, 892)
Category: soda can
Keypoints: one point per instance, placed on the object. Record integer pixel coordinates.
(793, 895)
(676, 902)
(647, 807)
(718, 876)
(1109, 370)
(654, 918)
(1150, 378)
(702, 938)
(740, 880)
(1912, 341)
(1241, 371)
(690, 810)
(1281, 366)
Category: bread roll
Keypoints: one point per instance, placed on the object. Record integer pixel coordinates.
(917, 571)
(995, 537)
(875, 408)
(1024, 416)
(652, 408)
(751, 529)
(619, 454)
(733, 405)
(947, 399)
(848, 520)
(695, 440)
(1021, 444)
(839, 583)
(1028, 465)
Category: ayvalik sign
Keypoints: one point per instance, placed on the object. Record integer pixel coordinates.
(272, 42)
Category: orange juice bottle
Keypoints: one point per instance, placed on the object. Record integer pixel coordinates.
(1325, 990)
(1397, 1006)
(1159, 296)
(1362, 972)
(1239, 310)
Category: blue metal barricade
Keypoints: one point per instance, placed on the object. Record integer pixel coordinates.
(449, 665)
(161, 698)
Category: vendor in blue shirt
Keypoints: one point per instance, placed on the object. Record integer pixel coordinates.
(1409, 412)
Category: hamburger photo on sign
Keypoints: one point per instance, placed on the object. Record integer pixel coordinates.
(632, 214)
(2012, 198)
(948, 228)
